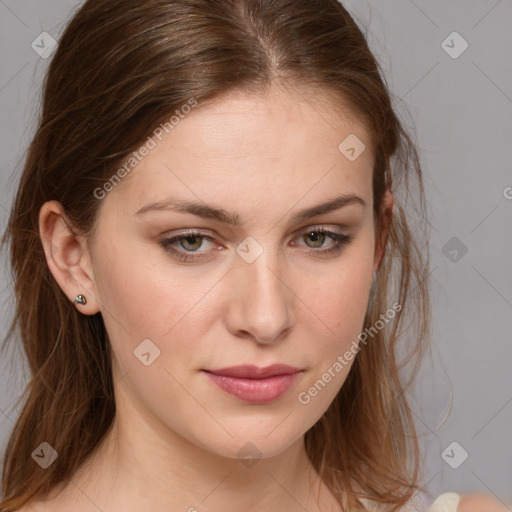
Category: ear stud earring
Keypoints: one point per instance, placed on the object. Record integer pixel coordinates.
(80, 299)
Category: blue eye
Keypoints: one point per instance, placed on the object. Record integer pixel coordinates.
(192, 241)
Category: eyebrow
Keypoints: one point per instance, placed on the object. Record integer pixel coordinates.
(233, 219)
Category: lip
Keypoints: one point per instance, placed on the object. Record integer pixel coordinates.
(249, 371)
(253, 384)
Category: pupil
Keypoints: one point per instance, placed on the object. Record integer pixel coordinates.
(315, 235)
(191, 237)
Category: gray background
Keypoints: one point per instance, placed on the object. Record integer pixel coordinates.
(461, 112)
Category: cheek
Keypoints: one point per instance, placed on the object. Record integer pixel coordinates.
(137, 291)
(339, 298)
(145, 298)
(336, 305)
(333, 336)
(155, 324)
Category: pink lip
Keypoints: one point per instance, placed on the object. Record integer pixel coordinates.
(249, 371)
(255, 385)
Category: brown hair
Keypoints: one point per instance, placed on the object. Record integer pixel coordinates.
(122, 67)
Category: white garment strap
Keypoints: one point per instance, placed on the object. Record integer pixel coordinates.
(446, 502)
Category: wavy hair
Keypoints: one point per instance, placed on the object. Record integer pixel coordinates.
(121, 68)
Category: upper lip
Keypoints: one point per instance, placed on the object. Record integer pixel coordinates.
(255, 372)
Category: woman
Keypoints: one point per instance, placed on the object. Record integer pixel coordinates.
(220, 268)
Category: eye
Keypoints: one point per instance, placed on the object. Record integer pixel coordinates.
(319, 235)
(192, 241)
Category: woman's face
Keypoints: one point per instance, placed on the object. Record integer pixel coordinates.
(270, 289)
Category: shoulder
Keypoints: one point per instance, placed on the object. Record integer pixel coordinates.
(471, 502)
(476, 502)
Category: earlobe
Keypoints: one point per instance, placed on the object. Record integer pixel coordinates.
(67, 257)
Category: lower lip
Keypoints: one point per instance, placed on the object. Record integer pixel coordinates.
(255, 391)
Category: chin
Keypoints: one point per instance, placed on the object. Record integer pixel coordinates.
(248, 446)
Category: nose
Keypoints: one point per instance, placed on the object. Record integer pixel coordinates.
(262, 306)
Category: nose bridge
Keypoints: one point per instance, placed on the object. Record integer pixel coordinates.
(261, 265)
(263, 298)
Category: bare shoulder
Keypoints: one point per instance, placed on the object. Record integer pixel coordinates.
(479, 502)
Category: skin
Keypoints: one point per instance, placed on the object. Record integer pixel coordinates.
(176, 437)
(478, 502)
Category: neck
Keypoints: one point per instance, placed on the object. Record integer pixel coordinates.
(143, 465)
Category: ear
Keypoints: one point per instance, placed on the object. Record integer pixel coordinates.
(388, 204)
(67, 256)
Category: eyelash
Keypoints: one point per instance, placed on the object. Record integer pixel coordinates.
(341, 240)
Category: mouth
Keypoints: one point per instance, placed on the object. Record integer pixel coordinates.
(253, 384)
(255, 372)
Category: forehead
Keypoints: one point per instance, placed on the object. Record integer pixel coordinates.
(232, 125)
(285, 141)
